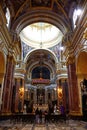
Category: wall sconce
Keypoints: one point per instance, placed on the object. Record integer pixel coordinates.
(60, 93)
(21, 92)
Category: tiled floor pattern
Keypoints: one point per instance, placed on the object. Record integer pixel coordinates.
(69, 125)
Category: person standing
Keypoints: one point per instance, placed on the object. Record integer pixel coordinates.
(40, 116)
(62, 110)
(37, 115)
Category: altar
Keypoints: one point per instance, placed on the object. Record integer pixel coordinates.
(43, 107)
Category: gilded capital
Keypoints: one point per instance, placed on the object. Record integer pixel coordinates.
(10, 58)
(70, 60)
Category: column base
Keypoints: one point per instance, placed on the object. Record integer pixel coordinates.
(76, 115)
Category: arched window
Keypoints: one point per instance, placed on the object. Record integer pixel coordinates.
(40, 72)
(76, 13)
(74, 18)
(7, 16)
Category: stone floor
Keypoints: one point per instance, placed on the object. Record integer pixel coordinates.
(60, 125)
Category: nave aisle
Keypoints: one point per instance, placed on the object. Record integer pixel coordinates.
(60, 125)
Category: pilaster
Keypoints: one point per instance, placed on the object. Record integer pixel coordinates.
(8, 85)
(19, 95)
(74, 101)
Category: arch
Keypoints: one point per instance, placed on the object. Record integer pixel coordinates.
(35, 64)
(49, 52)
(47, 65)
(81, 66)
(81, 70)
(40, 15)
(43, 72)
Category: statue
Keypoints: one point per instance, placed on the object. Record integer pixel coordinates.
(84, 85)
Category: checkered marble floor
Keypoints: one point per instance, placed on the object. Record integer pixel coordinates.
(69, 125)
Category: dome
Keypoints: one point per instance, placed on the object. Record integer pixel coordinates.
(41, 35)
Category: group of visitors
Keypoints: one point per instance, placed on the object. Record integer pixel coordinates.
(42, 116)
(38, 114)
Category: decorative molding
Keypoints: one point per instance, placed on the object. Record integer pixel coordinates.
(19, 75)
(75, 113)
(70, 60)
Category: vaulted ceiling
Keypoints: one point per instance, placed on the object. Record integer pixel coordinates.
(41, 57)
(41, 10)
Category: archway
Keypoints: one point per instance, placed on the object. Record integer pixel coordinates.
(82, 64)
(40, 79)
(39, 16)
(81, 68)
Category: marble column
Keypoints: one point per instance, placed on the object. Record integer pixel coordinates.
(65, 95)
(35, 96)
(19, 97)
(52, 94)
(55, 93)
(17, 85)
(74, 108)
(1, 88)
(46, 96)
(8, 86)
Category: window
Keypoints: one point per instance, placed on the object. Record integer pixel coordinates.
(76, 13)
(7, 17)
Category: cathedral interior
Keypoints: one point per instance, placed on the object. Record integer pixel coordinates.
(43, 61)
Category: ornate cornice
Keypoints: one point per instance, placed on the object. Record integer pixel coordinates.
(20, 69)
(70, 60)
